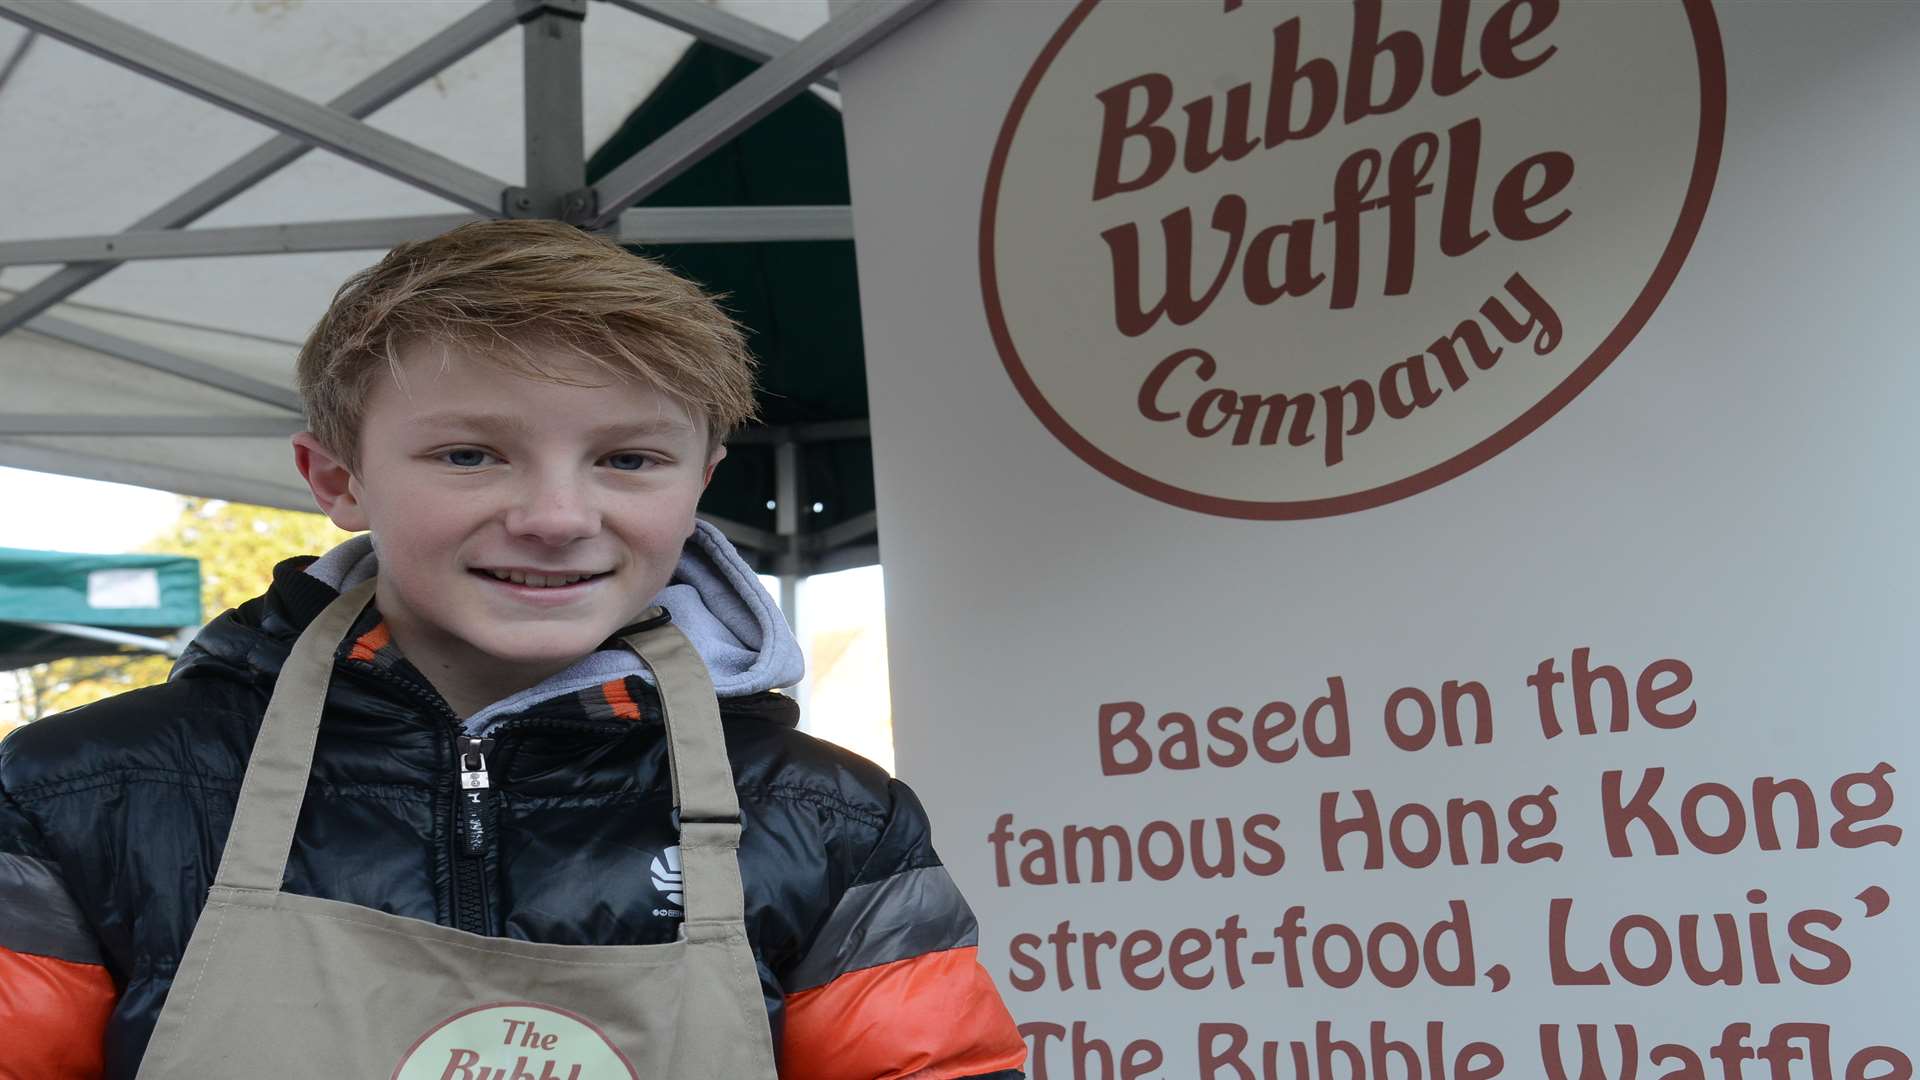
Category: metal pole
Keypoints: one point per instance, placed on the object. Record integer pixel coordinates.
(844, 37)
(556, 141)
(352, 234)
(787, 483)
(721, 29)
(165, 477)
(113, 637)
(734, 224)
(158, 359)
(13, 60)
(652, 225)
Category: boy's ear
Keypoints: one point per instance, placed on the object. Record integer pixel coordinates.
(334, 488)
(712, 461)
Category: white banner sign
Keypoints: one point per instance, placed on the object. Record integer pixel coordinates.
(1398, 526)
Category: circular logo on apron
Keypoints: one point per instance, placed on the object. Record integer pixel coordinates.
(1287, 260)
(514, 1040)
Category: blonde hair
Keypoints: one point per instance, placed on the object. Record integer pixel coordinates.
(496, 290)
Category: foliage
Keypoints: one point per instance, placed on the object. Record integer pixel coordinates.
(237, 546)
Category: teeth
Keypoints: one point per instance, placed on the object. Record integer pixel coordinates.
(538, 581)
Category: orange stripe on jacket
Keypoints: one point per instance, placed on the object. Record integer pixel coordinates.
(928, 1017)
(54, 1014)
(370, 643)
(621, 701)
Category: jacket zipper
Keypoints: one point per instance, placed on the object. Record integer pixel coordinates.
(473, 796)
(473, 801)
(467, 906)
(476, 793)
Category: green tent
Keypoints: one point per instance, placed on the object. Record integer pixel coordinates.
(57, 604)
(800, 304)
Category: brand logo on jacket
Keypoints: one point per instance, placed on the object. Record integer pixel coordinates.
(1287, 260)
(669, 882)
(514, 1040)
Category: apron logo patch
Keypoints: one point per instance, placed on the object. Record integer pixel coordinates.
(514, 1040)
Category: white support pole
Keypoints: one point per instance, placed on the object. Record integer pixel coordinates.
(556, 141)
(789, 488)
(790, 600)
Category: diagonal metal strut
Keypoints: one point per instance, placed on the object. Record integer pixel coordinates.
(364, 98)
(720, 28)
(158, 359)
(844, 37)
(239, 92)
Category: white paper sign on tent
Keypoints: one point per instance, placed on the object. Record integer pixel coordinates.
(121, 589)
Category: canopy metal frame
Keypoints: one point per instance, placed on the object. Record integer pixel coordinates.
(556, 187)
(139, 643)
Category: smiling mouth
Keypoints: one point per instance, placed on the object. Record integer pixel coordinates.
(541, 581)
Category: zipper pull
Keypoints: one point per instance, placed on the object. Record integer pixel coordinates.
(473, 762)
(476, 790)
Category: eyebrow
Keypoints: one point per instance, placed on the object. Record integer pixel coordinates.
(512, 423)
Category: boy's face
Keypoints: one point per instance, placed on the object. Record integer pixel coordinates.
(472, 474)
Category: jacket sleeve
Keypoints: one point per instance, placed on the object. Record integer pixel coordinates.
(55, 993)
(891, 986)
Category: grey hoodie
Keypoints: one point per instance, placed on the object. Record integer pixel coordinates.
(715, 599)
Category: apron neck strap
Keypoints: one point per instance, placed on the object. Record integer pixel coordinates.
(696, 750)
(703, 791)
(282, 759)
(281, 764)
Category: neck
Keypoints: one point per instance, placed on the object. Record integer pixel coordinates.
(468, 679)
(467, 692)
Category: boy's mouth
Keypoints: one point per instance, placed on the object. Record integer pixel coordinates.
(548, 580)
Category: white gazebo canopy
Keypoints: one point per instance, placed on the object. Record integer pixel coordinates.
(163, 250)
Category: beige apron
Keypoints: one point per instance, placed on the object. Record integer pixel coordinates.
(279, 985)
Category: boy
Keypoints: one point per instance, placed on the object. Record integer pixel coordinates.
(521, 418)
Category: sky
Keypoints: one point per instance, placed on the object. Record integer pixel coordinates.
(60, 513)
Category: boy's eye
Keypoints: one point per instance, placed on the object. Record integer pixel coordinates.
(465, 457)
(629, 462)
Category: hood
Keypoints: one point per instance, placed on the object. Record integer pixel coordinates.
(715, 598)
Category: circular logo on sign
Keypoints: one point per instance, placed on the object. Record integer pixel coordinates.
(512, 1039)
(1288, 260)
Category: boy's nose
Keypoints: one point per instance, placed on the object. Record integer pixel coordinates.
(554, 512)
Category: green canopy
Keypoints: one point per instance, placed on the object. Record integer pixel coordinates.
(800, 304)
(57, 604)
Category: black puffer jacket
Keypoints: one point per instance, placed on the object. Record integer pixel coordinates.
(113, 818)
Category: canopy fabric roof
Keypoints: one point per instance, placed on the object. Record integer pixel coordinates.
(175, 372)
(57, 604)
